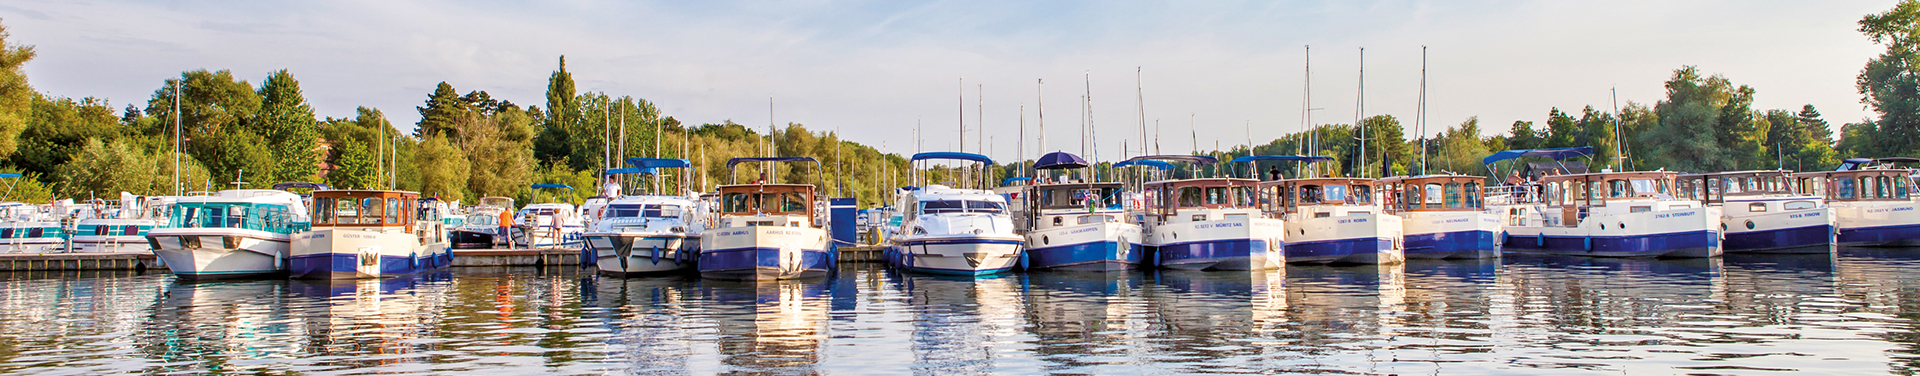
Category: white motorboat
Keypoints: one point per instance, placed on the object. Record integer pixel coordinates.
(232, 233)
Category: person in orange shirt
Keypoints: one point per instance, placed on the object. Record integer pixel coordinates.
(506, 223)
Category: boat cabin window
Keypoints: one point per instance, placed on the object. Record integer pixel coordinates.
(1453, 196)
(1473, 195)
(1757, 207)
(961, 206)
(745, 202)
(1845, 189)
(1799, 205)
(1088, 219)
(1433, 195)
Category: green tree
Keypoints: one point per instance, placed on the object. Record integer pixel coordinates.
(443, 108)
(1524, 136)
(563, 113)
(1889, 84)
(104, 169)
(443, 168)
(16, 96)
(1596, 130)
(58, 128)
(1562, 131)
(355, 167)
(287, 122)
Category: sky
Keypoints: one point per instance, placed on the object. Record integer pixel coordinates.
(1201, 73)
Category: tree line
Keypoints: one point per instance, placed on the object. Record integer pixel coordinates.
(470, 144)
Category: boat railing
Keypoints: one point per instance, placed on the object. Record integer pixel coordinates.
(1513, 194)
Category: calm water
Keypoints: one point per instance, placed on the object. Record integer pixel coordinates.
(1741, 315)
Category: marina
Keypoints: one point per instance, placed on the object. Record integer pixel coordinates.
(644, 214)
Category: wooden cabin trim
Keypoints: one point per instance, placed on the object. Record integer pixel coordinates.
(1394, 193)
(1279, 197)
(1828, 183)
(806, 191)
(1163, 198)
(398, 209)
(1578, 191)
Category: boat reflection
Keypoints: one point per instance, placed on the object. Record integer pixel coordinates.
(957, 319)
(1072, 314)
(379, 317)
(768, 326)
(227, 323)
(646, 318)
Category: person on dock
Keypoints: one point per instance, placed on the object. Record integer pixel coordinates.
(506, 223)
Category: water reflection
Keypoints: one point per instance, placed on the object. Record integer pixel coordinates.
(768, 326)
(1742, 314)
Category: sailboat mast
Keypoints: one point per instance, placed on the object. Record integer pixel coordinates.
(1420, 118)
(1360, 113)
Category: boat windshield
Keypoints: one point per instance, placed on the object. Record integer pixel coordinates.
(486, 220)
(262, 217)
(961, 206)
(644, 211)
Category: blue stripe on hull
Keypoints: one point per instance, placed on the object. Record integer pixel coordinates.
(1335, 251)
(761, 264)
(1678, 244)
(1810, 239)
(1457, 245)
(1900, 235)
(1101, 255)
(1231, 254)
(346, 265)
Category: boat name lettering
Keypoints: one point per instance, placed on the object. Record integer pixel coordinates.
(1907, 208)
(1804, 215)
(1218, 225)
(1091, 229)
(1458, 220)
(1355, 220)
(1668, 215)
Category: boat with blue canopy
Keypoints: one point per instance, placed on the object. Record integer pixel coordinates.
(954, 230)
(650, 232)
(1078, 226)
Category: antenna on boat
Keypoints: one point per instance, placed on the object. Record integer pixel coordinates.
(1040, 111)
(239, 179)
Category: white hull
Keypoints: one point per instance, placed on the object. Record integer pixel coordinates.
(1347, 239)
(220, 252)
(641, 253)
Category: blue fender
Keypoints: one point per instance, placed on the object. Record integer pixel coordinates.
(1023, 260)
(653, 255)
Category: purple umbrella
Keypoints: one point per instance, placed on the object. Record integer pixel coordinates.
(1059, 160)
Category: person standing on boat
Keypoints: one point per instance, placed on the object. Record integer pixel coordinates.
(1273, 173)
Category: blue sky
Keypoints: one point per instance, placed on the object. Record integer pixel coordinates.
(874, 69)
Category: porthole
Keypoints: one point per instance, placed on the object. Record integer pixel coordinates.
(1749, 225)
(1621, 225)
(1044, 240)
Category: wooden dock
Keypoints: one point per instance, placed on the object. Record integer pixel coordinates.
(516, 257)
(862, 253)
(28, 262)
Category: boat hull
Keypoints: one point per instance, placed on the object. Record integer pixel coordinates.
(1227, 244)
(473, 239)
(1451, 235)
(210, 253)
(1678, 233)
(1349, 239)
(620, 254)
(345, 253)
(1093, 247)
(1877, 223)
(765, 253)
(955, 255)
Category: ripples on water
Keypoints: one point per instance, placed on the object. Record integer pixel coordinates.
(1738, 315)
